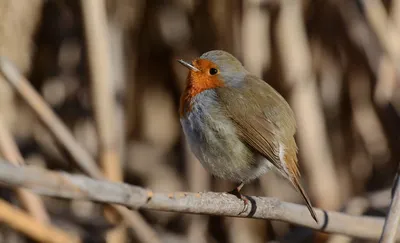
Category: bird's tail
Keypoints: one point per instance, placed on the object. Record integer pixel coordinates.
(298, 186)
(293, 174)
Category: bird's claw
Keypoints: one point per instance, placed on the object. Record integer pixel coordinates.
(242, 197)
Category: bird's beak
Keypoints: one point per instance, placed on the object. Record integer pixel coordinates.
(188, 65)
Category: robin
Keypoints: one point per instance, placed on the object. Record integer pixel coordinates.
(236, 124)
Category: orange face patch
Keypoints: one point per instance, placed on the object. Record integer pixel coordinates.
(198, 81)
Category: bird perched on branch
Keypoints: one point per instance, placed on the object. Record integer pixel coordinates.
(237, 125)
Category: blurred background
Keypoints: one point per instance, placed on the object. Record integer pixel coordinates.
(336, 62)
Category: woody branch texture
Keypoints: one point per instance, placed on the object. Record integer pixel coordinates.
(64, 185)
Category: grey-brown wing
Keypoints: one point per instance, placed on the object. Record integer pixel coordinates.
(264, 121)
(263, 118)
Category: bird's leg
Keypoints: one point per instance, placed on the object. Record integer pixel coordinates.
(236, 192)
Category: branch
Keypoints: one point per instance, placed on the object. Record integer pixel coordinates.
(68, 186)
(392, 220)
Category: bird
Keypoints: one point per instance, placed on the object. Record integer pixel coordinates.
(236, 124)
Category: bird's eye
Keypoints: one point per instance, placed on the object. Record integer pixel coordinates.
(213, 71)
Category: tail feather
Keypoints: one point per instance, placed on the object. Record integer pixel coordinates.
(293, 174)
(298, 186)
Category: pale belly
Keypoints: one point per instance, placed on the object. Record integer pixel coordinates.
(212, 138)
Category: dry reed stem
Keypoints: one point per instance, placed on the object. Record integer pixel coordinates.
(255, 37)
(395, 13)
(95, 21)
(386, 81)
(388, 35)
(28, 225)
(312, 135)
(8, 148)
(10, 152)
(85, 162)
(117, 36)
(384, 28)
(97, 39)
(221, 12)
(366, 120)
(359, 32)
(64, 185)
(391, 225)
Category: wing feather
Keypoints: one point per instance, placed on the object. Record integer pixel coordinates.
(262, 117)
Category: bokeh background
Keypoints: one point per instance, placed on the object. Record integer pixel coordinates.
(336, 62)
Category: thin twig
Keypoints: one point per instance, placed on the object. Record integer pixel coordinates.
(62, 133)
(366, 120)
(255, 37)
(28, 225)
(80, 187)
(392, 220)
(10, 151)
(8, 148)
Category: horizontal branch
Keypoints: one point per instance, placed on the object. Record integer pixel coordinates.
(63, 185)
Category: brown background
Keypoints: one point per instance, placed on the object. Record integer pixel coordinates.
(334, 61)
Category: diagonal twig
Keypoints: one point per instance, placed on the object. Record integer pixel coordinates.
(85, 162)
(32, 202)
(60, 131)
(41, 232)
(10, 151)
(79, 187)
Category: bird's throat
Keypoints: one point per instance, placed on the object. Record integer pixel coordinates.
(196, 83)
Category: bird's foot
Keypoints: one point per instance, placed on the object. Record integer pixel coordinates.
(246, 201)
